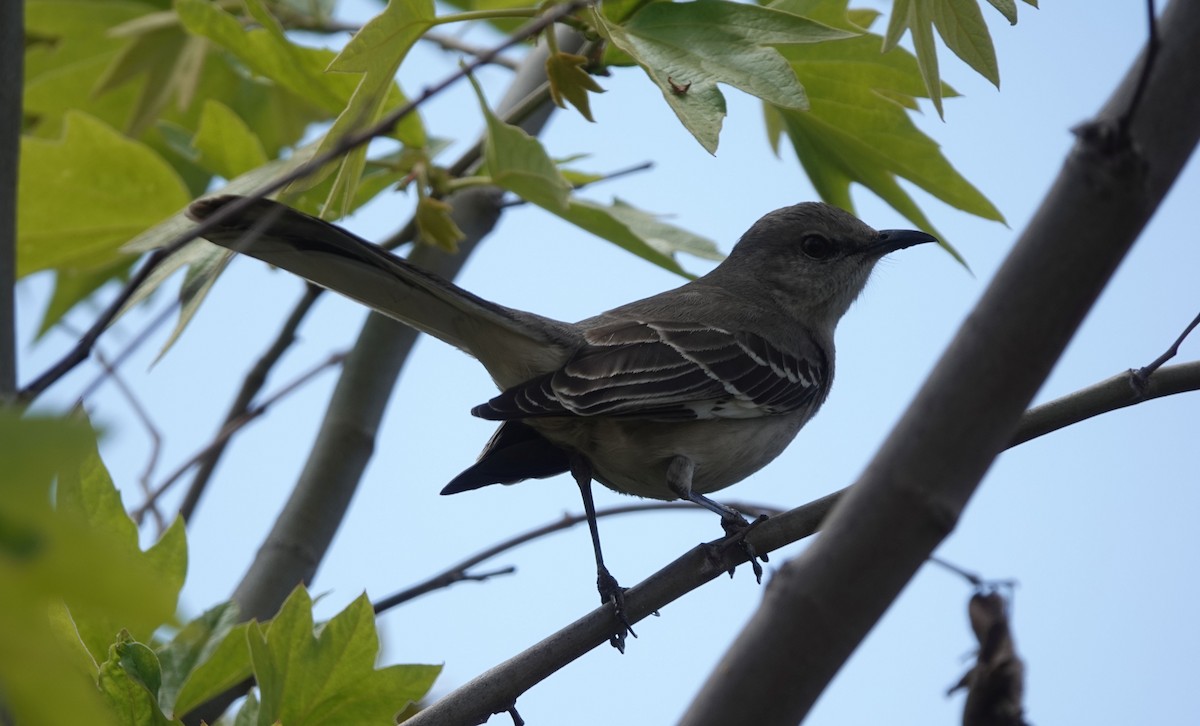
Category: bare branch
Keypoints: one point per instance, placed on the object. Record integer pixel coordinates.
(231, 427)
(1123, 389)
(822, 603)
(1143, 374)
(450, 43)
(251, 385)
(508, 680)
(12, 60)
(458, 572)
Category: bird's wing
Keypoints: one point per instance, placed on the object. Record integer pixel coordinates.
(670, 371)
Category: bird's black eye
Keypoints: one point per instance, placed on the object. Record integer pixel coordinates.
(817, 247)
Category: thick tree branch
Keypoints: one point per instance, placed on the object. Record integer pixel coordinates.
(302, 533)
(1123, 389)
(1001, 356)
(499, 687)
(12, 59)
(820, 605)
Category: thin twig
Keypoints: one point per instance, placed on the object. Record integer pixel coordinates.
(143, 416)
(1152, 44)
(1143, 374)
(347, 143)
(458, 572)
(232, 427)
(450, 43)
(644, 166)
(251, 385)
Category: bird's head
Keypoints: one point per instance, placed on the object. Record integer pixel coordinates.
(813, 259)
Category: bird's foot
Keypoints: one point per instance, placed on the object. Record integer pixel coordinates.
(612, 592)
(736, 528)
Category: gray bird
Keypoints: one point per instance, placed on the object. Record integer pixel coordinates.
(674, 396)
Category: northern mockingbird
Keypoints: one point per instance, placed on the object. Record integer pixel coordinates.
(674, 396)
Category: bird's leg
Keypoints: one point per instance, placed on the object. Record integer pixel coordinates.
(606, 584)
(679, 479)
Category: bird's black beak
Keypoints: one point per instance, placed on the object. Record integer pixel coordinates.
(891, 240)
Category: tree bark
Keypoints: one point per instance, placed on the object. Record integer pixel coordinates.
(820, 605)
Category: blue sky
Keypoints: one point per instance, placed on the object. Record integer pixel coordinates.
(1097, 522)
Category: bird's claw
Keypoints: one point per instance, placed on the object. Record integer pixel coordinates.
(612, 592)
(736, 529)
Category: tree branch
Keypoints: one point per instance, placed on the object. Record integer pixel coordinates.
(12, 59)
(251, 385)
(302, 533)
(459, 572)
(819, 606)
(493, 691)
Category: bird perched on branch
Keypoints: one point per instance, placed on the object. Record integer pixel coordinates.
(674, 396)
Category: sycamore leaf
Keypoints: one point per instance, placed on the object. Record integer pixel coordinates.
(857, 129)
(204, 659)
(607, 223)
(1007, 8)
(964, 31)
(170, 59)
(688, 48)
(569, 82)
(376, 52)
(86, 494)
(52, 554)
(519, 163)
(66, 51)
(300, 70)
(329, 678)
(80, 197)
(962, 27)
(666, 238)
(226, 145)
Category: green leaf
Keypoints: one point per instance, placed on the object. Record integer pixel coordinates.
(129, 679)
(435, 225)
(964, 31)
(204, 659)
(606, 223)
(666, 238)
(300, 70)
(67, 50)
(204, 260)
(569, 82)
(80, 197)
(227, 146)
(857, 129)
(688, 48)
(53, 554)
(385, 40)
(87, 496)
(376, 52)
(170, 59)
(519, 163)
(330, 678)
(1007, 8)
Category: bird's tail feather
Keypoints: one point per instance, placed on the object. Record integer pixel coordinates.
(506, 341)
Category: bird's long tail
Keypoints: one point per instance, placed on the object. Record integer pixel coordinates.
(513, 345)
